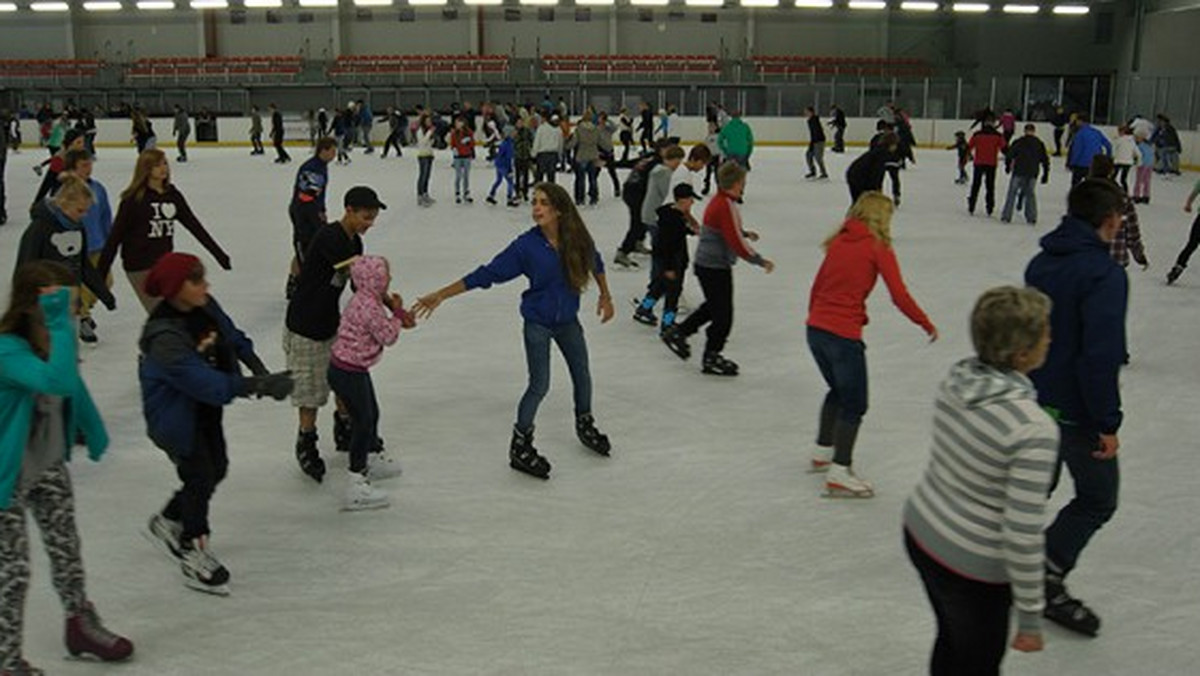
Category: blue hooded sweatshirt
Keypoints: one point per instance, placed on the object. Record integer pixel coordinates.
(1087, 143)
(549, 300)
(1078, 382)
(504, 155)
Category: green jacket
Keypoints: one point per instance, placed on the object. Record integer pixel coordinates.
(23, 375)
(736, 138)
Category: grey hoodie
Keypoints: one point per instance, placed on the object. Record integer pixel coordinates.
(979, 508)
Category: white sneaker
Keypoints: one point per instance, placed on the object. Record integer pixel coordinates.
(841, 482)
(822, 458)
(382, 466)
(361, 495)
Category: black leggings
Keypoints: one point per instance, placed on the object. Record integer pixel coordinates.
(985, 174)
(716, 310)
(972, 618)
(637, 229)
(1192, 243)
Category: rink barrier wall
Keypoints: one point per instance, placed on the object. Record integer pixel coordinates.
(768, 132)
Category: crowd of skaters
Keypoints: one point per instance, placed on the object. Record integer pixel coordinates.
(1041, 413)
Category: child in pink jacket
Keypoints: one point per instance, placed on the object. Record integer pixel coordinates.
(371, 321)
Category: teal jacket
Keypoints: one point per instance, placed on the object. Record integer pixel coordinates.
(23, 375)
(735, 138)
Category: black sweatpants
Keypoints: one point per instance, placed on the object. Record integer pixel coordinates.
(1192, 243)
(521, 169)
(986, 174)
(281, 154)
(716, 310)
(200, 471)
(393, 141)
(546, 167)
(637, 229)
(972, 618)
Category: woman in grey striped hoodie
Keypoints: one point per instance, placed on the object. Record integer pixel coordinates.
(973, 525)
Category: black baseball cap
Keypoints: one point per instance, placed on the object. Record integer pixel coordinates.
(362, 197)
(684, 190)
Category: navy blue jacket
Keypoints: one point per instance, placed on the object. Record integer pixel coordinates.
(1078, 382)
(549, 300)
(177, 379)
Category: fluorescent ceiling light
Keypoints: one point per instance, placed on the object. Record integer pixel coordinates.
(1071, 9)
(701, 3)
(867, 4)
(760, 3)
(814, 4)
(50, 7)
(483, 2)
(102, 5)
(156, 4)
(607, 3)
(648, 3)
(8, 7)
(318, 3)
(209, 4)
(372, 3)
(918, 6)
(539, 2)
(971, 7)
(418, 3)
(259, 4)
(1021, 9)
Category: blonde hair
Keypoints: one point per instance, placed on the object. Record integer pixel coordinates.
(874, 210)
(1007, 320)
(73, 190)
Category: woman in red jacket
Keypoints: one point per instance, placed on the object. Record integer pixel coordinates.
(858, 253)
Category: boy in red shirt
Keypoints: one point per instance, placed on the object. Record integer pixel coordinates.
(986, 145)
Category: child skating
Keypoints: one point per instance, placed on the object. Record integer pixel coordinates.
(503, 161)
(1181, 262)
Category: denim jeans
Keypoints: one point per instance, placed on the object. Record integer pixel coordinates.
(843, 365)
(972, 617)
(357, 393)
(815, 157)
(462, 176)
(589, 171)
(1025, 186)
(571, 343)
(1096, 486)
(424, 169)
(502, 176)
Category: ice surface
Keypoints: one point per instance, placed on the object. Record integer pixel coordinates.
(700, 547)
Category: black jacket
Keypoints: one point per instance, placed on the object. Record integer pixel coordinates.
(866, 172)
(670, 245)
(51, 237)
(1025, 155)
(816, 133)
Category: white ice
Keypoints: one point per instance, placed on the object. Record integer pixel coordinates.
(700, 547)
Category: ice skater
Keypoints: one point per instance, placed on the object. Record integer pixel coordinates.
(856, 255)
(815, 154)
(190, 351)
(1026, 155)
(963, 152)
(997, 464)
(558, 256)
(986, 146)
(46, 409)
(1181, 262)
(503, 163)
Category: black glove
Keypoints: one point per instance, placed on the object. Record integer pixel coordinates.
(255, 365)
(275, 385)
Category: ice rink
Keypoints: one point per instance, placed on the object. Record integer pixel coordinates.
(701, 547)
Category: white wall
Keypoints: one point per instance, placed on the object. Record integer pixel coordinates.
(120, 36)
(384, 34)
(256, 37)
(28, 36)
(1167, 44)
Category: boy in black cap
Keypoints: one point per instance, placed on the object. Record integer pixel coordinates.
(313, 315)
(670, 255)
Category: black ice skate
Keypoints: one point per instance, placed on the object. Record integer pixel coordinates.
(1069, 612)
(676, 342)
(165, 535)
(202, 571)
(717, 365)
(585, 429)
(309, 457)
(523, 457)
(645, 315)
(1173, 275)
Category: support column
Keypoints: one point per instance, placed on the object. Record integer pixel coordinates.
(476, 31)
(335, 36)
(750, 31)
(612, 30)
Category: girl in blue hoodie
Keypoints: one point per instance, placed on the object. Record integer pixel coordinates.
(503, 162)
(44, 409)
(557, 255)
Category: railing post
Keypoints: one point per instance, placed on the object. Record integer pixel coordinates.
(992, 96)
(958, 100)
(925, 103)
(1092, 107)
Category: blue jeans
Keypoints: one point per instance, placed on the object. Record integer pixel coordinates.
(462, 176)
(424, 169)
(502, 176)
(357, 392)
(1021, 185)
(742, 161)
(570, 341)
(843, 365)
(1096, 486)
(589, 171)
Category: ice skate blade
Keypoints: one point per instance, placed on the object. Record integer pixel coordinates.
(212, 590)
(844, 493)
(528, 472)
(366, 506)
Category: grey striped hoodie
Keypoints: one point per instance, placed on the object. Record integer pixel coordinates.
(979, 508)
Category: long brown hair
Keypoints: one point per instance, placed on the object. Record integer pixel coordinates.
(575, 246)
(24, 315)
(141, 174)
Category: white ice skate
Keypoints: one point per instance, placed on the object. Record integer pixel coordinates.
(842, 482)
(201, 570)
(822, 458)
(164, 534)
(382, 466)
(361, 495)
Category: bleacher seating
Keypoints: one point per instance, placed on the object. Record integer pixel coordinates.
(423, 66)
(793, 66)
(230, 69)
(630, 66)
(48, 71)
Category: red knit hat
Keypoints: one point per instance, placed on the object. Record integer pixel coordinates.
(169, 273)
